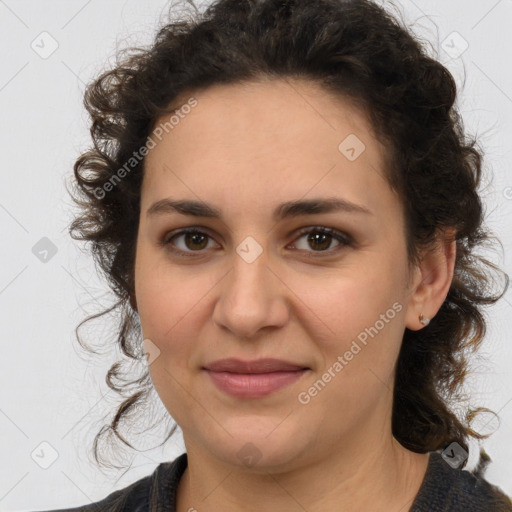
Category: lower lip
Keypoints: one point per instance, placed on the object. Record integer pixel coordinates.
(253, 385)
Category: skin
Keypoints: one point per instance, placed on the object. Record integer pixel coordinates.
(245, 149)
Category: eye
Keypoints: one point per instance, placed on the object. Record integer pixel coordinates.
(195, 241)
(193, 238)
(321, 237)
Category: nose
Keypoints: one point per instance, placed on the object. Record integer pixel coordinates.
(252, 297)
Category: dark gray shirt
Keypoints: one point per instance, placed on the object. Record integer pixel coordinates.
(444, 489)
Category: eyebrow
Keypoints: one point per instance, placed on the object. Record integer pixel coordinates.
(285, 210)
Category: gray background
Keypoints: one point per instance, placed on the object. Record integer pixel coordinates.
(53, 393)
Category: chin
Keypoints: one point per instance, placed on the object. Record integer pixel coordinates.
(260, 445)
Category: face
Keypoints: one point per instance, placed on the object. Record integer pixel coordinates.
(254, 284)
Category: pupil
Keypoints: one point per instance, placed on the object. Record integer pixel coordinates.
(193, 236)
(315, 239)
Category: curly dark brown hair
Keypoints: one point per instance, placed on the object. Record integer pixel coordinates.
(361, 52)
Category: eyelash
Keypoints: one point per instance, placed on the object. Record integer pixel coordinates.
(344, 239)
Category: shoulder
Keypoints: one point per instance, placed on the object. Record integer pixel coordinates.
(448, 489)
(142, 495)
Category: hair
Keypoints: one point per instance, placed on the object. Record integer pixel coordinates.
(358, 51)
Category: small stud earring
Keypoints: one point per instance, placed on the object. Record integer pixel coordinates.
(423, 320)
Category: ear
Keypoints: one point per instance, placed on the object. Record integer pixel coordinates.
(432, 279)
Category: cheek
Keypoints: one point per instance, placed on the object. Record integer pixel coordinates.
(364, 329)
(169, 312)
(166, 293)
(342, 304)
(360, 319)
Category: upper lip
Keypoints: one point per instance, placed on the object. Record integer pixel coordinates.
(256, 366)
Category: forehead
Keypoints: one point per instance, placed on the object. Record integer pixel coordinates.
(256, 140)
(253, 111)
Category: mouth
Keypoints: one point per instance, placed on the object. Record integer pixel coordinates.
(267, 365)
(253, 379)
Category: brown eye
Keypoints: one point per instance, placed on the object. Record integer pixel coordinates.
(193, 240)
(320, 239)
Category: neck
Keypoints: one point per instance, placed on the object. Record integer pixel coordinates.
(378, 476)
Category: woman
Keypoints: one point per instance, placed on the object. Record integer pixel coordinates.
(283, 198)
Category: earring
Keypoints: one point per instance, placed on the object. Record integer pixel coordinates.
(423, 320)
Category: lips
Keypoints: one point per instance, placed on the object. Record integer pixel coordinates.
(268, 365)
(253, 379)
